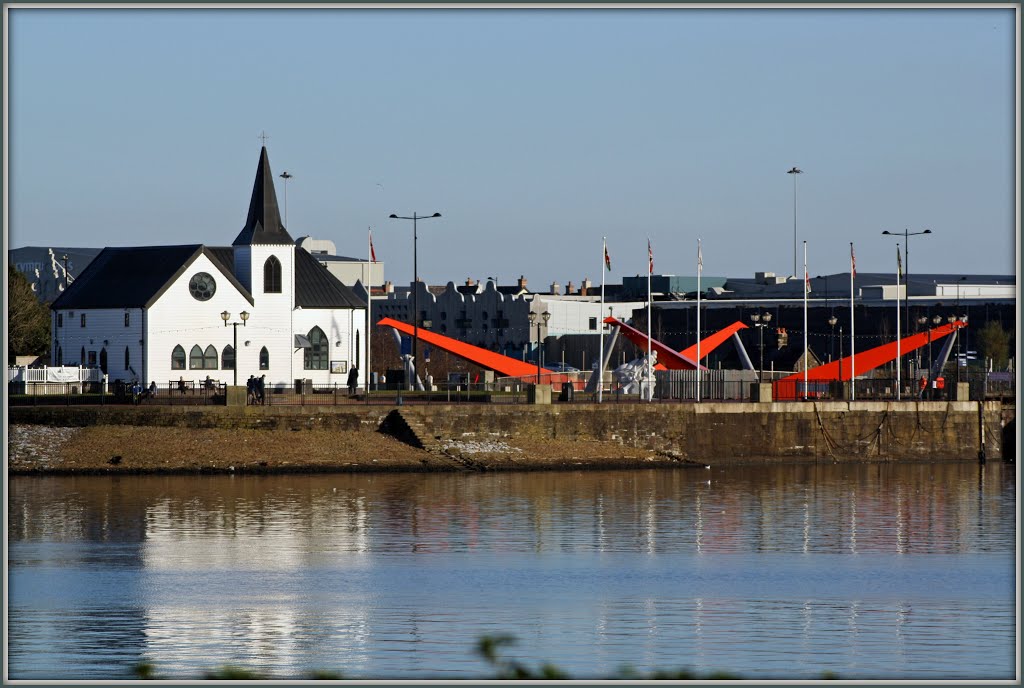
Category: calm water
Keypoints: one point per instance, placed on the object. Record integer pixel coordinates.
(882, 571)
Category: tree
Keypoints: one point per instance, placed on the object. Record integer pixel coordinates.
(28, 321)
(994, 343)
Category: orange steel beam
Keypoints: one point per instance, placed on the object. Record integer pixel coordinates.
(499, 363)
(669, 358)
(873, 358)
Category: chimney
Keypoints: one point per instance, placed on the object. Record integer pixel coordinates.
(521, 283)
(470, 282)
(570, 288)
(556, 288)
(585, 287)
(389, 288)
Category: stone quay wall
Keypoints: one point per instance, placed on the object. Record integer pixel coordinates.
(712, 433)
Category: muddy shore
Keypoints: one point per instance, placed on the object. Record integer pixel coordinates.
(111, 449)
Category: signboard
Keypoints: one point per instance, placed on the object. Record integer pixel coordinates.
(339, 367)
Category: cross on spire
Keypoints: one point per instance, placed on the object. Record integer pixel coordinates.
(263, 137)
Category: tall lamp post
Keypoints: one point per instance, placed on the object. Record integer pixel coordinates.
(532, 317)
(286, 176)
(756, 318)
(795, 171)
(415, 281)
(906, 234)
(832, 346)
(225, 316)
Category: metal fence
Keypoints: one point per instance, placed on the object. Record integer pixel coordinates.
(191, 393)
(673, 386)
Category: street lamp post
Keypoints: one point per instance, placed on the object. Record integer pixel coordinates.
(225, 316)
(906, 277)
(532, 317)
(415, 281)
(756, 318)
(286, 176)
(832, 346)
(795, 171)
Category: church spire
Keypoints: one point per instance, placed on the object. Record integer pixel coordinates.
(263, 225)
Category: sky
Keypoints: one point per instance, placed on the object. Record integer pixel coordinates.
(534, 132)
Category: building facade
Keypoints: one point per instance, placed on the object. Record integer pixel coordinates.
(157, 313)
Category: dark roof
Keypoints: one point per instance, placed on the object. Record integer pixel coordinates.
(134, 277)
(263, 224)
(316, 287)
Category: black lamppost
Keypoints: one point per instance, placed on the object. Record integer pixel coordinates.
(795, 171)
(225, 316)
(532, 317)
(756, 318)
(286, 175)
(415, 281)
(832, 347)
(906, 273)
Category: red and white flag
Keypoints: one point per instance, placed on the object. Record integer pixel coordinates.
(853, 262)
(650, 258)
(373, 254)
(607, 258)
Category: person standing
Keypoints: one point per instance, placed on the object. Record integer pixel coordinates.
(353, 380)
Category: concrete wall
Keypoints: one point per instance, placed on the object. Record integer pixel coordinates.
(719, 434)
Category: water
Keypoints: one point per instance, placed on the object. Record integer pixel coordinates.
(869, 572)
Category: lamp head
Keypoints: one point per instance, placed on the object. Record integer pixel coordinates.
(224, 315)
(436, 215)
(546, 316)
(937, 319)
(245, 316)
(532, 317)
(927, 231)
(393, 216)
(755, 317)
(767, 317)
(832, 321)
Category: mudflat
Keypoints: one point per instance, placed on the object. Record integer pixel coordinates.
(121, 449)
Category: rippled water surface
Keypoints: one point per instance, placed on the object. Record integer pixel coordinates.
(880, 571)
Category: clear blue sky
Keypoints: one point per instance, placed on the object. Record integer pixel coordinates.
(534, 132)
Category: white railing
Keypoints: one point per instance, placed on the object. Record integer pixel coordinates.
(55, 374)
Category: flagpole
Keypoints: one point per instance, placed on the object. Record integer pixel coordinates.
(853, 370)
(807, 285)
(600, 321)
(899, 354)
(699, 269)
(369, 300)
(650, 268)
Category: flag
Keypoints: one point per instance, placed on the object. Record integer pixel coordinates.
(853, 262)
(373, 254)
(807, 280)
(899, 264)
(650, 258)
(607, 258)
(700, 258)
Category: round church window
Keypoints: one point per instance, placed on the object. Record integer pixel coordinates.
(202, 286)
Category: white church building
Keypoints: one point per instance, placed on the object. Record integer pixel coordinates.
(163, 313)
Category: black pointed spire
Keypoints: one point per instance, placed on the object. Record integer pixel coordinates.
(263, 225)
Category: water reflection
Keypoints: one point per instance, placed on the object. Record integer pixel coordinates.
(395, 576)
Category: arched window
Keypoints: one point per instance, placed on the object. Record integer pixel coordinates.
(127, 358)
(272, 276)
(227, 358)
(178, 358)
(264, 359)
(315, 357)
(195, 358)
(210, 358)
(103, 360)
